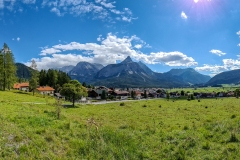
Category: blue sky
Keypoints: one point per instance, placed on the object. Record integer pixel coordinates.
(164, 34)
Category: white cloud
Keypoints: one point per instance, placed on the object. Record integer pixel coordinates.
(126, 19)
(183, 15)
(57, 11)
(100, 38)
(29, 1)
(217, 52)
(107, 5)
(231, 63)
(116, 11)
(98, 1)
(47, 51)
(238, 33)
(138, 46)
(238, 45)
(175, 58)
(17, 39)
(108, 51)
(1, 4)
(214, 69)
(228, 64)
(98, 9)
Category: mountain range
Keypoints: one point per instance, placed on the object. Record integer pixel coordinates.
(137, 74)
(132, 74)
(228, 77)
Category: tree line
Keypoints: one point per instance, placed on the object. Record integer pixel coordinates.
(53, 78)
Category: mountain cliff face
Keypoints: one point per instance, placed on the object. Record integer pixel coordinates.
(127, 67)
(126, 73)
(84, 71)
(228, 77)
(66, 68)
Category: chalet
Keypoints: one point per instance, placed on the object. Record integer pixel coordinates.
(45, 90)
(21, 86)
(221, 94)
(230, 94)
(121, 94)
(97, 92)
(59, 96)
(153, 94)
(139, 94)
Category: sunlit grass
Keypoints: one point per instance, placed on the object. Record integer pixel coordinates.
(151, 129)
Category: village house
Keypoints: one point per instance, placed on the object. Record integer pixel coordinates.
(153, 94)
(230, 94)
(59, 96)
(21, 86)
(97, 92)
(121, 94)
(46, 90)
(138, 94)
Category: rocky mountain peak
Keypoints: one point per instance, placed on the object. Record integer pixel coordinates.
(127, 60)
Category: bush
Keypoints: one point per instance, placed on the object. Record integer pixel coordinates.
(144, 105)
(192, 97)
(233, 138)
(122, 104)
(185, 128)
(233, 116)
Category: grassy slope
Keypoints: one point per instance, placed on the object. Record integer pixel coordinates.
(163, 129)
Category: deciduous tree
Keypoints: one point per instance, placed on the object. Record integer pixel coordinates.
(33, 82)
(73, 91)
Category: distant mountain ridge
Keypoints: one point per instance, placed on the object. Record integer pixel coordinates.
(228, 77)
(189, 75)
(133, 74)
(23, 71)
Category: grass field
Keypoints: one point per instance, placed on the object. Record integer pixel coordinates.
(204, 89)
(151, 129)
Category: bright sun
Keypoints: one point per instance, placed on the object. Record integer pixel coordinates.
(196, 1)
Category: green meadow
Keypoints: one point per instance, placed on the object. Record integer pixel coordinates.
(148, 129)
(204, 89)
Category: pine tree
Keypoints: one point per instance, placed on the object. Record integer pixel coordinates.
(103, 95)
(52, 78)
(63, 78)
(8, 68)
(43, 78)
(1, 70)
(145, 94)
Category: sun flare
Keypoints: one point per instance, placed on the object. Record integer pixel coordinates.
(196, 1)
